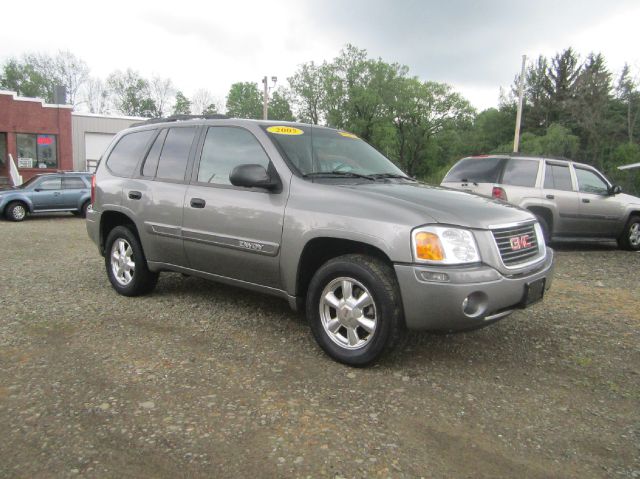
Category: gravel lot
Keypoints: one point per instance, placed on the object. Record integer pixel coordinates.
(203, 380)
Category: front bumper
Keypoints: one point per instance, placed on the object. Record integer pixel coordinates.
(438, 306)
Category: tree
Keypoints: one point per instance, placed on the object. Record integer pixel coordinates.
(182, 105)
(201, 101)
(212, 109)
(130, 94)
(161, 90)
(95, 96)
(279, 107)
(627, 92)
(308, 91)
(25, 79)
(37, 75)
(69, 71)
(244, 101)
(421, 112)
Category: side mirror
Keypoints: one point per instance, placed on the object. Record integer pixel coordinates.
(253, 176)
(615, 189)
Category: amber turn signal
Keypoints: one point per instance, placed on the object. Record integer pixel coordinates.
(428, 246)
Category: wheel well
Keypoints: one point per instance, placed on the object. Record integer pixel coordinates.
(111, 219)
(320, 250)
(22, 202)
(544, 213)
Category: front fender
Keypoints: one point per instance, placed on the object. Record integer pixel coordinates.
(6, 199)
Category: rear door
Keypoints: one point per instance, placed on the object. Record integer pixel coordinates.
(73, 188)
(232, 231)
(475, 174)
(558, 188)
(157, 192)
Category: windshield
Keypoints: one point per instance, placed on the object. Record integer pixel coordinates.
(318, 150)
(29, 182)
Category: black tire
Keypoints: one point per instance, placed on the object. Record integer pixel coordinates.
(141, 281)
(544, 226)
(629, 239)
(84, 208)
(16, 211)
(379, 279)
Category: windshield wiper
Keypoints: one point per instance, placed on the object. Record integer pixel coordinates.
(337, 174)
(391, 175)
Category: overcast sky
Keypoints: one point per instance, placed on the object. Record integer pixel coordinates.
(474, 45)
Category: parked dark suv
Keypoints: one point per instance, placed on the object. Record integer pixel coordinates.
(318, 217)
(571, 200)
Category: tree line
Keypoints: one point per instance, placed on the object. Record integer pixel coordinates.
(573, 107)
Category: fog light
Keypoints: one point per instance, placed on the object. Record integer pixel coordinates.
(475, 304)
(434, 277)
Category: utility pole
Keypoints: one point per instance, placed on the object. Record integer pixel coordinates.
(516, 138)
(265, 95)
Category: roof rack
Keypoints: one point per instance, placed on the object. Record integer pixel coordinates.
(215, 116)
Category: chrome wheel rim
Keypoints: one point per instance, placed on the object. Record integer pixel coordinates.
(19, 212)
(122, 264)
(634, 235)
(348, 313)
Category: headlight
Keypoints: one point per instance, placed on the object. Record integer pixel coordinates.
(444, 245)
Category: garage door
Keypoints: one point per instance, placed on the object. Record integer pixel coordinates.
(94, 146)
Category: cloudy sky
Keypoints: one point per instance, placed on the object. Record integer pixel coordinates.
(474, 45)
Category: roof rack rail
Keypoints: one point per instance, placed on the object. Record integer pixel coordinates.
(215, 116)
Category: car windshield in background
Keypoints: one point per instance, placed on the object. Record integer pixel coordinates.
(475, 170)
(317, 151)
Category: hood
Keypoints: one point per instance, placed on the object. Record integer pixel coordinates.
(444, 205)
(628, 199)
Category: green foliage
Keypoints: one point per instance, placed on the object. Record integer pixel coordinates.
(212, 109)
(244, 101)
(36, 75)
(182, 105)
(279, 107)
(131, 94)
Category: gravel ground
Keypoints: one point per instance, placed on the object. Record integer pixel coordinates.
(204, 380)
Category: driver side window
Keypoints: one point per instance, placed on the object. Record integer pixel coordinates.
(225, 148)
(589, 182)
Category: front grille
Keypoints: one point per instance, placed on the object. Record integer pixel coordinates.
(517, 244)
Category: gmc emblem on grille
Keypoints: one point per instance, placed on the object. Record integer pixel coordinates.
(519, 242)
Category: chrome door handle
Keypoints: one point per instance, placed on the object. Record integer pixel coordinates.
(135, 195)
(197, 203)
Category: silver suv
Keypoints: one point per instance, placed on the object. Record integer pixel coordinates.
(315, 216)
(570, 200)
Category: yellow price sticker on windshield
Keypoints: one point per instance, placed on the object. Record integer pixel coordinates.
(346, 134)
(285, 130)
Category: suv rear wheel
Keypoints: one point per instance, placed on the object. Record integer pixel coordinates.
(126, 265)
(353, 307)
(630, 238)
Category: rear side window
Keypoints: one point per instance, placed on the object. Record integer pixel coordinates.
(73, 183)
(175, 153)
(125, 155)
(520, 172)
(224, 149)
(151, 163)
(557, 177)
(479, 170)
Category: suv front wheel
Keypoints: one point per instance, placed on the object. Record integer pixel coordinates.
(126, 265)
(354, 309)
